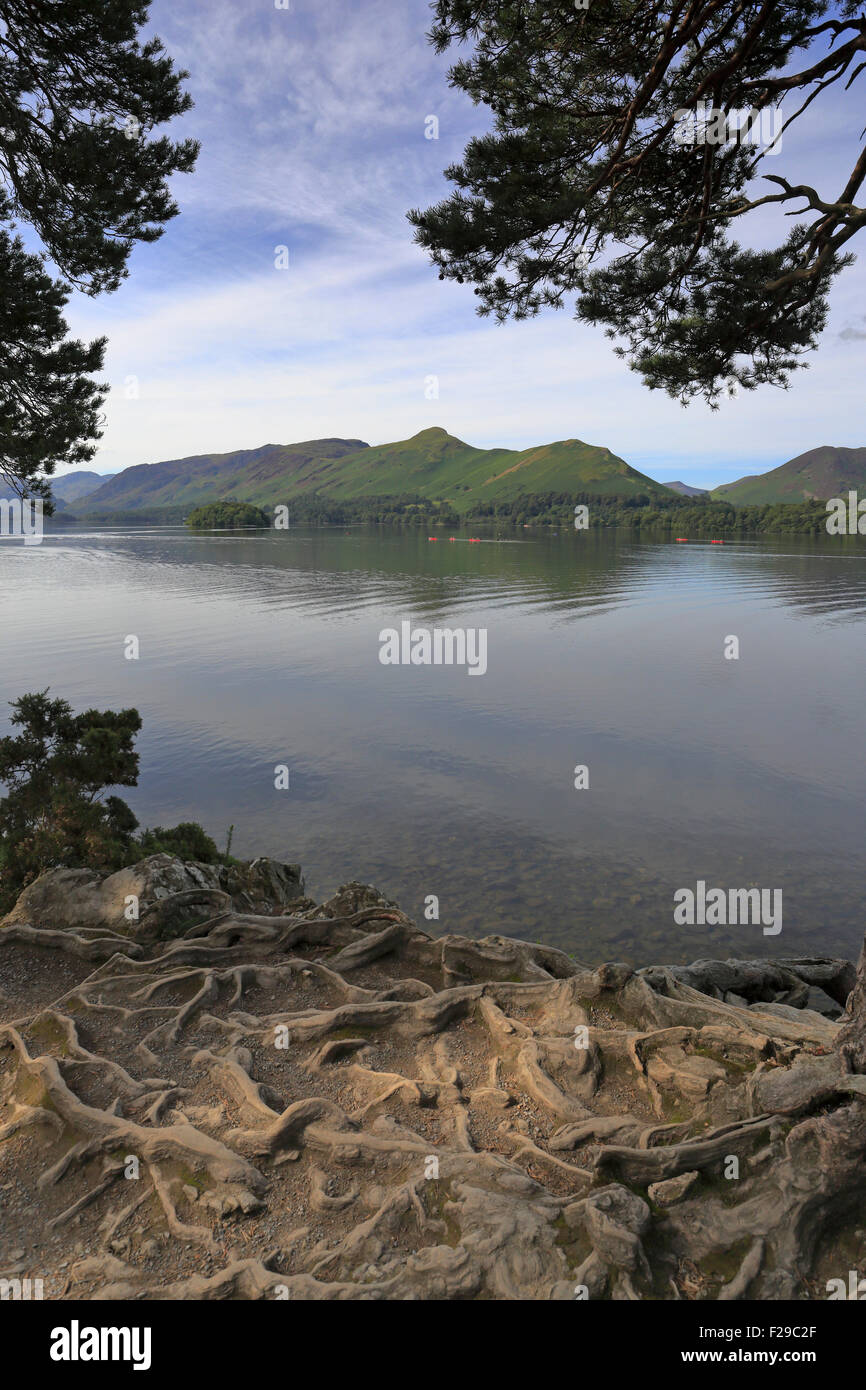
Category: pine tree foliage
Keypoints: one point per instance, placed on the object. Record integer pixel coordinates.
(585, 184)
(81, 96)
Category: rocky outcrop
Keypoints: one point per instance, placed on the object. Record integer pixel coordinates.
(155, 898)
(324, 1102)
(788, 982)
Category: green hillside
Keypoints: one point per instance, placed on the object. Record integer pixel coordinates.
(69, 488)
(819, 474)
(249, 475)
(432, 464)
(435, 464)
(72, 487)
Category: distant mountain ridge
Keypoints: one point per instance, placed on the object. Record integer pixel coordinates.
(71, 487)
(432, 464)
(74, 486)
(686, 490)
(249, 474)
(828, 471)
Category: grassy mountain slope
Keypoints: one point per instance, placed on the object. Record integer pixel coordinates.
(821, 473)
(435, 464)
(432, 464)
(252, 475)
(72, 487)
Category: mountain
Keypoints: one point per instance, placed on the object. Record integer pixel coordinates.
(251, 475)
(821, 473)
(431, 464)
(73, 486)
(685, 491)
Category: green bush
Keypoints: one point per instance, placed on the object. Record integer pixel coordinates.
(186, 841)
(57, 770)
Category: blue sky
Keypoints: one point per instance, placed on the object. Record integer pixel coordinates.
(312, 123)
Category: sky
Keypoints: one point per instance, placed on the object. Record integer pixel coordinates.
(313, 124)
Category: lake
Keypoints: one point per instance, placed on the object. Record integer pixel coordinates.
(604, 651)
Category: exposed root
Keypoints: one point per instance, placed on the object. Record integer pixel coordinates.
(327, 1103)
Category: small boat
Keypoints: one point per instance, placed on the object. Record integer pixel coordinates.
(717, 542)
(432, 538)
(682, 540)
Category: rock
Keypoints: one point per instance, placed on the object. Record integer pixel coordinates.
(692, 1075)
(615, 1220)
(352, 898)
(262, 886)
(672, 1190)
(614, 975)
(227, 1201)
(786, 1090)
(171, 894)
(781, 981)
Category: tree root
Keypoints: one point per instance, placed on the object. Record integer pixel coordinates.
(378, 1114)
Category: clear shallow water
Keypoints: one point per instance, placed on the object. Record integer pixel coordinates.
(602, 650)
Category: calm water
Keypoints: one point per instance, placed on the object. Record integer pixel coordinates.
(602, 650)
